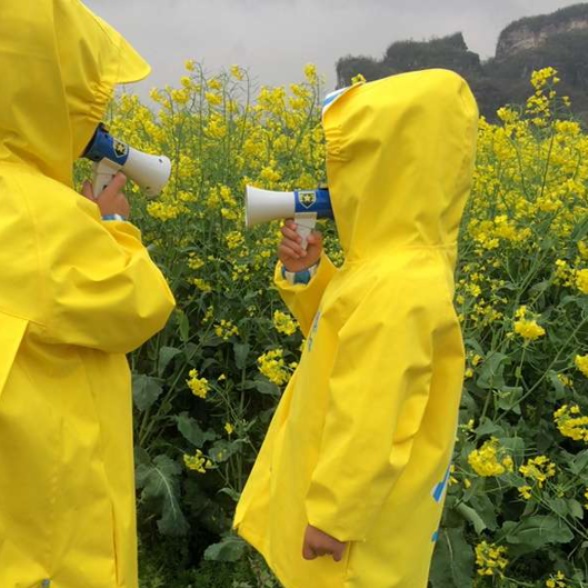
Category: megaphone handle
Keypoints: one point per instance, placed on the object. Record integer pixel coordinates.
(104, 171)
(305, 223)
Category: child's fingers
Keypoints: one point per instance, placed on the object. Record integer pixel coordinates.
(338, 553)
(294, 245)
(315, 238)
(88, 191)
(308, 552)
(115, 186)
(290, 223)
(291, 234)
(285, 251)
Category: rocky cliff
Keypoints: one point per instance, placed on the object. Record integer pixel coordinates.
(532, 33)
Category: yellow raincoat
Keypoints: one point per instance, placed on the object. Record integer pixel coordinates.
(361, 443)
(76, 294)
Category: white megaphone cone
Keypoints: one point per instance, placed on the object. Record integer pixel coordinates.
(262, 206)
(304, 206)
(150, 172)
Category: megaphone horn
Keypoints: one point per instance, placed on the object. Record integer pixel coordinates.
(304, 206)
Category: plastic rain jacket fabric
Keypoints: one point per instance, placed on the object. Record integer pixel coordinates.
(76, 294)
(361, 443)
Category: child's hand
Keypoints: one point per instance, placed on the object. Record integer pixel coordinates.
(317, 544)
(111, 200)
(291, 254)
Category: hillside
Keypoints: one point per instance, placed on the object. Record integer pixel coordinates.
(559, 40)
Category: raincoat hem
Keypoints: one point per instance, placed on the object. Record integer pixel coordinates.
(256, 542)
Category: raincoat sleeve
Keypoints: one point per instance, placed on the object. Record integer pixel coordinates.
(102, 289)
(378, 391)
(303, 299)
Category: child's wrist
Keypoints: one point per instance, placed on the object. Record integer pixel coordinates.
(302, 276)
(113, 217)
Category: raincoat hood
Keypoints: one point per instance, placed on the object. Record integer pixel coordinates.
(400, 153)
(58, 78)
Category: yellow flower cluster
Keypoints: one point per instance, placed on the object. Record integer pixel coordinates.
(539, 468)
(543, 77)
(202, 285)
(582, 281)
(557, 580)
(571, 423)
(197, 462)
(165, 211)
(284, 323)
(226, 329)
(490, 559)
(229, 429)
(234, 239)
(273, 366)
(581, 362)
(194, 262)
(199, 386)
(529, 329)
(490, 460)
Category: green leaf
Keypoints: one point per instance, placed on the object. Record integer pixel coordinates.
(560, 389)
(146, 390)
(230, 492)
(267, 387)
(453, 561)
(559, 506)
(515, 446)
(166, 354)
(485, 509)
(183, 325)
(536, 532)
(159, 482)
(488, 427)
(192, 432)
(576, 509)
(492, 371)
(230, 549)
(579, 464)
(222, 450)
(241, 351)
(509, 399)
(473, 517)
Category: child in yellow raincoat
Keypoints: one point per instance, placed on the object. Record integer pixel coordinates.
(77, 292)
(356, 460)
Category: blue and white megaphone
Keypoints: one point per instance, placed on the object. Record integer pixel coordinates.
(304, 206)
(150, 172)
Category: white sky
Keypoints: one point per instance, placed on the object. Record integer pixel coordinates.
(276, 38)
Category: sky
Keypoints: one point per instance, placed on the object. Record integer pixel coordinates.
(275, 39)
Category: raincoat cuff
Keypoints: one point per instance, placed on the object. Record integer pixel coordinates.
(301, 277)
(318, 274)
(114, 217)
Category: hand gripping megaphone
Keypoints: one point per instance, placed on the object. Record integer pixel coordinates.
(304, 206)
(150, 172)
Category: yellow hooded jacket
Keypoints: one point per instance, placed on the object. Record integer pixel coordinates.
(361, 443)
(76, 294)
